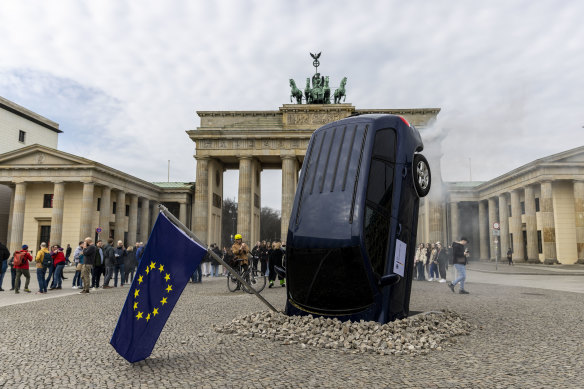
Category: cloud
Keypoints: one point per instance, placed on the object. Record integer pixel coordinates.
(129, 76)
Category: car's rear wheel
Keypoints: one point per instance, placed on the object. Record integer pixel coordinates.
(422, 175)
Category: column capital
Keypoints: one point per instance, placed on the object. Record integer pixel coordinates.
(288, 156)
(244, 157)
(202, 157)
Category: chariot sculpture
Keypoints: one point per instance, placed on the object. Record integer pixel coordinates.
(317, 90)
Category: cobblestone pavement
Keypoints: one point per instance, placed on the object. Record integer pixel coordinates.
(525, 338)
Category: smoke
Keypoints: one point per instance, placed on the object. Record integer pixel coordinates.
(432, 137)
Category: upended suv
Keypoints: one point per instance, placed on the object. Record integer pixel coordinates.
(352, 232)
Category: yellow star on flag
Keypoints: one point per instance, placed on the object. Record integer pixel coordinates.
(147, 270)
(135, 305)
(167, 277)
(148, 317)
(155, 311)
(169, 288)
(139, 315)
(161, 268)
(163, 301)
(136, 293)
(152, 265)
(140, 279)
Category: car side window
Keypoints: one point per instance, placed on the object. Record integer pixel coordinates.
(378, 199)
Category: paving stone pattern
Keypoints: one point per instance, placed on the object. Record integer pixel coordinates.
(519, 338)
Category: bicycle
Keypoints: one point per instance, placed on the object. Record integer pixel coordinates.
(252, 276)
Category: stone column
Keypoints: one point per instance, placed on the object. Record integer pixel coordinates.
(17, 226)
(85, 227)
(182, 213)
(133, 220)
(454, 221)
(145, 221)
(105, 212)
(120, 217)
(483, 231)
(289, 167)
(516, 230)
(435, 221)
(546, 203)
(493, 218)
(57, 213)
(531, 225)
(244, 200)
(504, 222)
(579, 213)
(201, 213)
(155, 212)
(10, 218)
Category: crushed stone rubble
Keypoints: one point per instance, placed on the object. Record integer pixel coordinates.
(411, 336)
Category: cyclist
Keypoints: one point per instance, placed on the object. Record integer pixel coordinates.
(240, 251)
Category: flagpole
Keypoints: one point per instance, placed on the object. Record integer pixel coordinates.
(178, 223)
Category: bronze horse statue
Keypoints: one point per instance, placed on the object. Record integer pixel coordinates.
(307, 91)
(340, 92)
(327, 91)
(296, 93)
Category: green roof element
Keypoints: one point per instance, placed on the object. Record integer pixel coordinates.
(175, 185)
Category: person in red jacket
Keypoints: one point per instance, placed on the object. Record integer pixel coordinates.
(59, 261)
(22, 268)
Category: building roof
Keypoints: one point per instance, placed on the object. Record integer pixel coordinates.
(175, 185)
(29, 115)
(464, 184)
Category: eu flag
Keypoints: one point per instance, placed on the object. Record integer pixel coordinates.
(169, 260)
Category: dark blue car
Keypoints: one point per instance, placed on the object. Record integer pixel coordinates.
(352, 232)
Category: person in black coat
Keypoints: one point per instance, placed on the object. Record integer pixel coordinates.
(4, 255)
(275, 255)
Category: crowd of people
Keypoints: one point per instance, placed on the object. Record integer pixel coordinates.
(263, 256)
(91, 261)
(432, 260)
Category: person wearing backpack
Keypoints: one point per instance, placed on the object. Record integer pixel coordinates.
(41, 266)
(4, 255)
(21, 260)
(58, 263)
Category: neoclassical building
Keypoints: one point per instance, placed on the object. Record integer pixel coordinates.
(537, 210)
(47, 195)
(61, 198)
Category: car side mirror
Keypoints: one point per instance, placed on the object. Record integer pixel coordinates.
(389, 280)
(280, 271)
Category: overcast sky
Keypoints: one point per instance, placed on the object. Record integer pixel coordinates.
(124, 79)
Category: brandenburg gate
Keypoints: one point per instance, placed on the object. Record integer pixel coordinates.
(251, 141)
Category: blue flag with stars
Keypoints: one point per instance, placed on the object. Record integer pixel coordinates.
(169, 259)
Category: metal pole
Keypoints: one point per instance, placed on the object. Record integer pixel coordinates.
(168, 177)
(496, 254)
(177, 222)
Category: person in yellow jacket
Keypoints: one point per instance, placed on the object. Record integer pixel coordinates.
(240, 250)
(41, 271)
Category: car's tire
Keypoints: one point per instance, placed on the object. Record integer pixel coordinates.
(422, 175)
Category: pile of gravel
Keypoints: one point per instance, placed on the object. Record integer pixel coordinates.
(411, 336)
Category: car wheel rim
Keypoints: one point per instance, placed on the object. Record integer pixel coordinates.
(423, 176)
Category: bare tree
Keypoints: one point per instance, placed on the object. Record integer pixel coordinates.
(228, 221)
(270, 222)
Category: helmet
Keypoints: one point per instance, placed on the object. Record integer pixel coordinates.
(237, 236)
